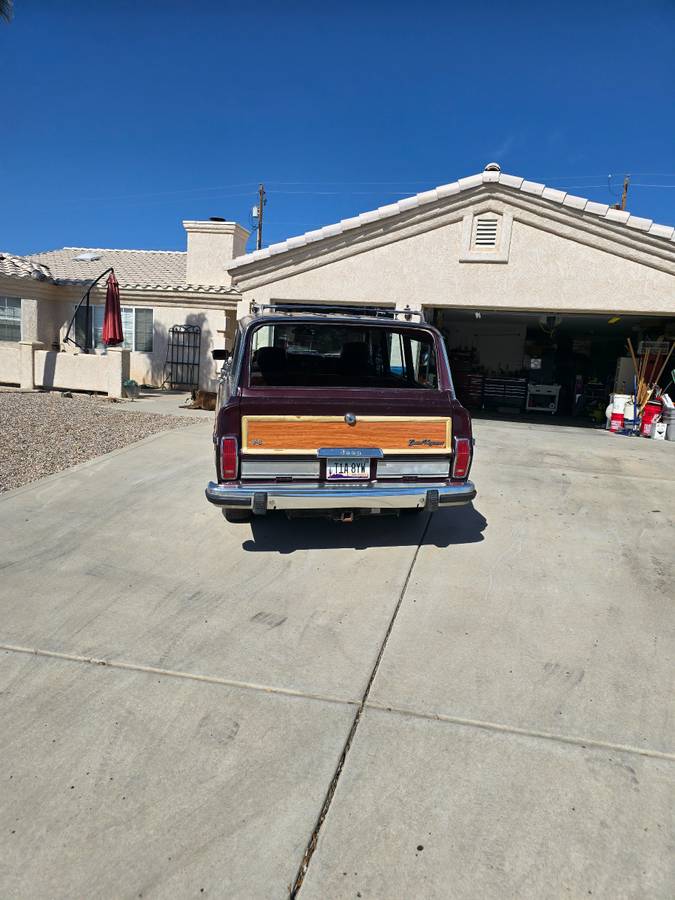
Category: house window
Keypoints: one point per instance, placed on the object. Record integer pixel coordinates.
(10, 319)
(137, 327)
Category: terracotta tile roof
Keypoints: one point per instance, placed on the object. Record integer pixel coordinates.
(600, 210)
(144, 269)
(22, 267)
(131, 266)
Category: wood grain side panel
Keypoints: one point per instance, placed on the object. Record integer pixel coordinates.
(293, 434)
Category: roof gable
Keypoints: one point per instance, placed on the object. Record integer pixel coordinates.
(611, 224)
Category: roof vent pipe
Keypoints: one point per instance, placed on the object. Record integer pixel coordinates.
(493, 167)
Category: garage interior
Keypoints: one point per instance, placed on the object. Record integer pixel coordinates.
(541, 366)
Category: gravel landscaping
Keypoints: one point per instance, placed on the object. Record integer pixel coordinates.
(45, 433)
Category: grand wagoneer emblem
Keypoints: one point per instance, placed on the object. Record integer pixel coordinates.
(425, 442)
(350, 418)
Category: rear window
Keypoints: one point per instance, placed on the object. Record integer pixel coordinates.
(326, 354)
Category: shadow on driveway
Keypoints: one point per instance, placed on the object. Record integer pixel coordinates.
(275, 533)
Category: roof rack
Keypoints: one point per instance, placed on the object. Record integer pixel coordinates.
(336, 309)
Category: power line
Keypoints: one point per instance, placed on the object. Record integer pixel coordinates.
(140, 200)
(222, 187)
(215, 191)
(612, 174)
(345, 193)
(632, 184)
(653, 175)
(275, 222)
(318, 183)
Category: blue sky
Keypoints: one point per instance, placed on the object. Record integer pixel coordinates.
(122, 119)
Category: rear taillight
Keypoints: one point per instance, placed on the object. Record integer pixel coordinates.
(462, 458)
(229, 458)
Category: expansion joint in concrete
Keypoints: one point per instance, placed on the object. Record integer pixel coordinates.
(171, 673)
(314, 837)
(524, 732)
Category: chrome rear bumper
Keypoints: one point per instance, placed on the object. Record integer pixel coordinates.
(263, 497)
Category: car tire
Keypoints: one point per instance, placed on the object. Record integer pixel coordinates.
(238, 515)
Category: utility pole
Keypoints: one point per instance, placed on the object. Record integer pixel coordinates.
(261, 203)
(626, 182)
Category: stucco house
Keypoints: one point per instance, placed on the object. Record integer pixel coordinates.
(490, 241)
(531, 286)
(158, 289)
(535, 290)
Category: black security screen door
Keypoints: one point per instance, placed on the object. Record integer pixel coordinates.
(181, 369)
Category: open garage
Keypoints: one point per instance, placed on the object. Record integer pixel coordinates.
(536, 291)
(553, 366)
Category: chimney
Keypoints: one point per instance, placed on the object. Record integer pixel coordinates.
(210, 247)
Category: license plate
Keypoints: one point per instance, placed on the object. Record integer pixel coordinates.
(347, 467)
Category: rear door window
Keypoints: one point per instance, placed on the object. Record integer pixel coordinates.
(318, 354)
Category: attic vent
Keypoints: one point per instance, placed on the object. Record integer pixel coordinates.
(486, 237)
(485, 234)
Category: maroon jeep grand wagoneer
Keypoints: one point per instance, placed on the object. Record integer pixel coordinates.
(338, 412)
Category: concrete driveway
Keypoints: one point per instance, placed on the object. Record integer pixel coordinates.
(476, 705)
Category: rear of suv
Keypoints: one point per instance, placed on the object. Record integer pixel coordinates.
(339, 413)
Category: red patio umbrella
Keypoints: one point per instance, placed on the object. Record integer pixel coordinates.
(112, 320)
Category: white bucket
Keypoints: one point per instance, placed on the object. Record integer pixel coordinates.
(618, 402)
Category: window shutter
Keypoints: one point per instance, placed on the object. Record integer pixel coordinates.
(83, 320)
(98, 325)
(143, 333)
(128, 327)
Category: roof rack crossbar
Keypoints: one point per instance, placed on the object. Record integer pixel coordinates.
(379, 312)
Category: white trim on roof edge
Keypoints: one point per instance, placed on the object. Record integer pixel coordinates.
(601, 210)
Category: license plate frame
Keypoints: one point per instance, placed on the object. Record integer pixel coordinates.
(347, 468)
